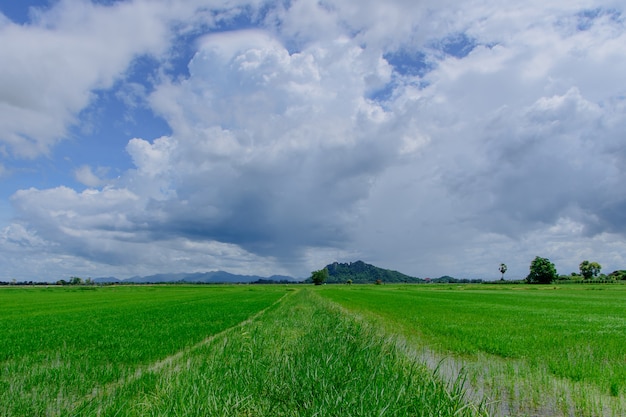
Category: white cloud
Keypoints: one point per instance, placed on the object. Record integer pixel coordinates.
(18, 235)
(511, 155)
(263, 135)
(52, 66)
(86, 176)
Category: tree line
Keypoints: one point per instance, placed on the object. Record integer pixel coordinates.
(70, 281)
(542, 271)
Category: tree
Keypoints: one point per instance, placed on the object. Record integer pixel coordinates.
(595, 268)
(76, 280)
(589, 269)
(542, 271)
(502, 270)
(319, 277)
(618, 275)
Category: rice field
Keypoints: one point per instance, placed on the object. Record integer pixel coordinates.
(58, 345)
(361, 350)
(527, 350)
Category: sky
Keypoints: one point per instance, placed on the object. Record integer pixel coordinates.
(275, 137)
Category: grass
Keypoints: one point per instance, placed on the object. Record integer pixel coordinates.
(546, 350)
(301, 358)
(392, 350)
(197, 351)
(58, 345)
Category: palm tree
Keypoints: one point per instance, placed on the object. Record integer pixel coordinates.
(502, 270)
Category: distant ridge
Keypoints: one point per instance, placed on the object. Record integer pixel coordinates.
(361, 273)
(213, 277)
(106, 280)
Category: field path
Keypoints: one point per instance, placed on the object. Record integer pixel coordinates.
(303, 357)
(111, 388)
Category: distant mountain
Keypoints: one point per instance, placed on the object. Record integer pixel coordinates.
(361, 273)
(106, 280)
(213, 277)
(275, 279)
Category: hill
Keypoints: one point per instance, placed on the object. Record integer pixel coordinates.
(106, 280)
(361, 273)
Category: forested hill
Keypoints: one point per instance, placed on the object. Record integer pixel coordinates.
(361, 273)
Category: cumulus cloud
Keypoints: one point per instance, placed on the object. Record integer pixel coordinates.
(526, 130)
(444, 138)
(53, 65)
(276, 148)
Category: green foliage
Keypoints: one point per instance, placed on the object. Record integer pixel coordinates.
(618, 275)
(361, 273)
(319, 277)
(542, 271)
(566, 278)
(76, 281)
(589, 269)
(502, 270)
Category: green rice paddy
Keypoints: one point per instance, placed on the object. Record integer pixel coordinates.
(58, 345)
(529, 350)
(361, 350)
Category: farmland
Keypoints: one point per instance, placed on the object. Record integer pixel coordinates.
(528, 350)
(58, 345)
(401, 350)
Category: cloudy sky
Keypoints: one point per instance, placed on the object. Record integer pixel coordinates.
(274, 137)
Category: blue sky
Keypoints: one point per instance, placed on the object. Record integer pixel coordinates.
(264, 137)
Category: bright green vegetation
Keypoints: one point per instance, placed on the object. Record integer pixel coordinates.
(532, 349)
(205, 351)
(361, 273)
(58, 345)
(359, 350)
(301, 358)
